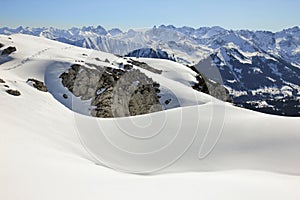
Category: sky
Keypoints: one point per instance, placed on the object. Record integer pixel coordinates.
(273, 15)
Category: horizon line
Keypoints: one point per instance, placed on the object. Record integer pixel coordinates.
(145, 28)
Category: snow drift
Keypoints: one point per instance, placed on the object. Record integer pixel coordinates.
(45, 144)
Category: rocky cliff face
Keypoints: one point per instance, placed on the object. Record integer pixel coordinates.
(113, 92)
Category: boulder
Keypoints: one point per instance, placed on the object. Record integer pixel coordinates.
(13, 92)
(39, 85)
(9, 50)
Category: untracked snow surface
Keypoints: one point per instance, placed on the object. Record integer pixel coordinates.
(204, 150)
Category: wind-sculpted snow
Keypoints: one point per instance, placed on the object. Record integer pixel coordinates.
(44, 137)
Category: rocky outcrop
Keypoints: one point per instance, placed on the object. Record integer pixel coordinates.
(150, 53)
(144, 66)
(8, 50)
(1, 80)
(210, 87)
(218, 91)
(1, 45)
(39, 85)
(13, 92)
(114, 92)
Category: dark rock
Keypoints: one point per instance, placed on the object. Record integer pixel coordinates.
(132, 94)
(144, 66)
(128, 67)
(2, 81)
(1, 45)
(218, 91)
(6, 86)
(113, 92)
(167, 101)
(65, 96)
(13, 92)
(37, 84)
(210, 87)
(155, 85)
(69, 77)
(9, 50)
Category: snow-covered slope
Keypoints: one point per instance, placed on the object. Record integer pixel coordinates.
(47, 151)
(273, 58)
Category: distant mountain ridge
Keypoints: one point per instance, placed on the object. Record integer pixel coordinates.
(261, 69)
(150, 53)
(189, 45)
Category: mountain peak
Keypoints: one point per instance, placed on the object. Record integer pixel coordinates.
(293, 29)
(115, 31)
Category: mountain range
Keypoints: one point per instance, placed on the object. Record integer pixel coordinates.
(260, 69)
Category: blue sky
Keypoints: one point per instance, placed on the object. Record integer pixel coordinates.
(232, 14)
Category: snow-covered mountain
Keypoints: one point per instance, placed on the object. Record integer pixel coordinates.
(52, 148)
(259, 68)
(259, 80)
(150, 53)
(189, 45)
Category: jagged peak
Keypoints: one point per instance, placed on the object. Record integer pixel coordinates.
(291, 30)
(167, 26)
(115, 31)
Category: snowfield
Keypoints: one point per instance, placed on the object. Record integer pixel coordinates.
(204, 149)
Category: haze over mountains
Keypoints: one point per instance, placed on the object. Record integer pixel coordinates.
(261, 69)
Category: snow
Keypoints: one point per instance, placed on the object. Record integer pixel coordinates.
(287, 91)
(297, 50)
(189, 45)
(231, 81)
(175, 83)
(171, 70)
(236, 93)
(271, 79)
(256, 70)
(260, 104)
(270, 90)
(100, 91)
(296, 65)
(58, 90)
(294, 86)
(46, 150)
